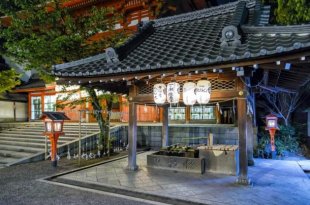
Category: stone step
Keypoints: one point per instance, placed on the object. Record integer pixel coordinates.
(40, 132)
(41, 139)
(21, 149)
(13, 154)
(6, 160)
(26, 144)
(21, 135)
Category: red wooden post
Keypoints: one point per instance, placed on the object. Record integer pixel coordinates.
(53, 125)
(53, 140)
(272, 126)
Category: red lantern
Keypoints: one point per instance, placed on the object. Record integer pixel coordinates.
(272, 126)
(53, 127)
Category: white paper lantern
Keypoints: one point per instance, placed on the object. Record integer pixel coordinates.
(159, 92)
(173, 92)
(189, 96)
(203, 91)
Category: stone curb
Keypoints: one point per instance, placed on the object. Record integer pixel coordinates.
(112, 188)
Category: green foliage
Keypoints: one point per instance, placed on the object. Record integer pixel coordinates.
(285, 140)
(44, 33)
(40, 36)
(291, 11)
(8, 80)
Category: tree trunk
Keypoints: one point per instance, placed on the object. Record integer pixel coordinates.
(109, 108)
(101, 122)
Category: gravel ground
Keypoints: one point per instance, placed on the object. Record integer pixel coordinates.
(19, 185)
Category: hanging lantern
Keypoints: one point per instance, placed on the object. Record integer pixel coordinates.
(189, 96)
(173, 92)
(159, 91)
(203, 91)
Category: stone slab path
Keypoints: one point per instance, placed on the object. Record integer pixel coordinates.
(274, 182)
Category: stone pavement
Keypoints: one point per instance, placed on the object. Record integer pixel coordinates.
(274, 182)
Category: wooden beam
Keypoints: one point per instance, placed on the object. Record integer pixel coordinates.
(293, 69)
(215, 96)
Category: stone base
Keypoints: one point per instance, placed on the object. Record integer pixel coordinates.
(133, 168)
(243, 181)
(182, 164)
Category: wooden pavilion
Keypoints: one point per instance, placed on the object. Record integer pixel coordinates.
(231, 45)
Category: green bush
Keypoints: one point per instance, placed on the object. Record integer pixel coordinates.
(285, 140)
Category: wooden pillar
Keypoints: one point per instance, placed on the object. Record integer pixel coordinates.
(132, 131)
(165, 127)
(243, 159)
(250, 140)
(218, 115)
(187, 114)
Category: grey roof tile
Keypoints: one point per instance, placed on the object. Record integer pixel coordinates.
(195, 39)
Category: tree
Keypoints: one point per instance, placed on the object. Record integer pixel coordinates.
(283, 104)
(8, 80)
(43, 33)
(291, 11)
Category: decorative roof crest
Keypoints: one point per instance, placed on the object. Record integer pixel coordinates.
(111, 55)
(230, 36)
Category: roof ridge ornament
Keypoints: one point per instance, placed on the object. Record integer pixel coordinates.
(230, 36)
(111, 55)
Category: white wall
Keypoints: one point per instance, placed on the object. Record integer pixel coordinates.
(21, 111)
(7, 111)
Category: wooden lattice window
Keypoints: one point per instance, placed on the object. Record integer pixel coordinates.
(215, 85)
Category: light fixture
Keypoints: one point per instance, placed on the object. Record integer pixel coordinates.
(145, 108)
(278, 62)
(189, 96)
(159, 92)
(203, 91)
(233, 68)
(196, 72)
(287, 66)
(173, 92)
(303, 58)
(255, 66)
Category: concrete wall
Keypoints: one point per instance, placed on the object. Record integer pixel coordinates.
(150, 136)
(7, 111)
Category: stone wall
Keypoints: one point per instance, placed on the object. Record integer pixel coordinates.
(150, 135)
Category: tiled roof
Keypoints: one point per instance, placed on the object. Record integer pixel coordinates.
(228, 33)
(55, 115)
